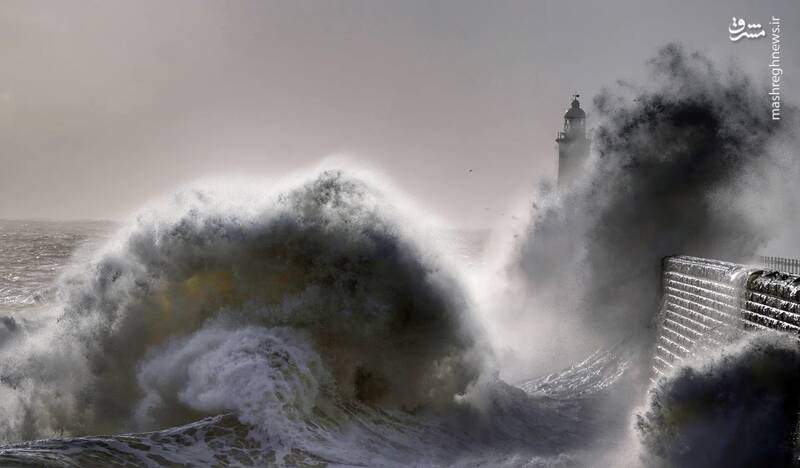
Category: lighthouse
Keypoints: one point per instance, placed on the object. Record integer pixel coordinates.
(573, 146)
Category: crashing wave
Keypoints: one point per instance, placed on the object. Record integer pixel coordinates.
(736, 409)
(316, 290)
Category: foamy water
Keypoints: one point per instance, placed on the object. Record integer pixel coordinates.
(312, 329)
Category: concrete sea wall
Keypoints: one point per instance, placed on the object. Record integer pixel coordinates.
(709, 302)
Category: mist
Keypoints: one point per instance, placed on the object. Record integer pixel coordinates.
(670, 159)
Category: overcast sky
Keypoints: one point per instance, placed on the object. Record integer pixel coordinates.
(104, 105)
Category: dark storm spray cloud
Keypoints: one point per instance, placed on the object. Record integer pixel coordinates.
(738, 409)
(670, 159)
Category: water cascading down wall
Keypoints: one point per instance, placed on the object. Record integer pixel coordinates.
(707, 303)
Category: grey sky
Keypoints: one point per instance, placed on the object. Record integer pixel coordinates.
(105, 104)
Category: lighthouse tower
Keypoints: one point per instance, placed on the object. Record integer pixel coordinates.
(573, 146)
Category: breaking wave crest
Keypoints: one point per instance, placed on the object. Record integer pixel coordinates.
(302, 324)
(207, 305)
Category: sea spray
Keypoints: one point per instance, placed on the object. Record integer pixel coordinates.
(299, 324)
(738, 408)
(327, 258)
(669, 161)
(270, 377)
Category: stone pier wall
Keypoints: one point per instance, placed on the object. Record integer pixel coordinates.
(707, 303)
